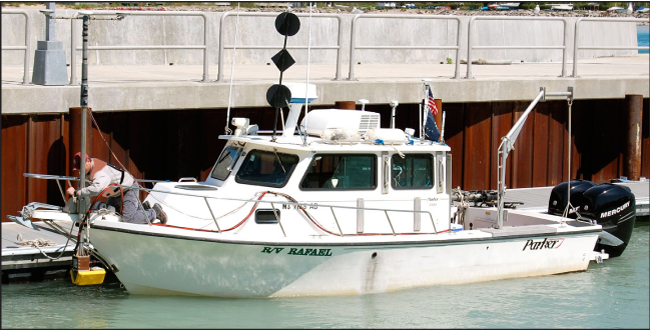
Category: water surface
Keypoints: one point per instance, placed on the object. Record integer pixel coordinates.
(642, 37)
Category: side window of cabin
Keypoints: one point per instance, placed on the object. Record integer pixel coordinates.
(266, 168)
(226, 161)
(341, 171)
(414, 171)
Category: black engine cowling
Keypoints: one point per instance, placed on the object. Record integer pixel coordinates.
(611, 206)
(558, 200)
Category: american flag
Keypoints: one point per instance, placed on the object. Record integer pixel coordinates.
(430, 127)
(430, 102)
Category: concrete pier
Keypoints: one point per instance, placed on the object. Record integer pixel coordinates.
(160, 87)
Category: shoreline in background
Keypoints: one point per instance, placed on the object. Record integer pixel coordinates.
(353, 10)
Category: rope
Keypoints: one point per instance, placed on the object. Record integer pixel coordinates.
(90, 113)
(38, 243)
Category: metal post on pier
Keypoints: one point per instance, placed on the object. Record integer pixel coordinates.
(634, 139)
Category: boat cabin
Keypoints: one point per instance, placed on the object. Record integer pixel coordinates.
(341, 172)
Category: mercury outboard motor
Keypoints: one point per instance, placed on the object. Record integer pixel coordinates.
(613, 207)
(558, 200)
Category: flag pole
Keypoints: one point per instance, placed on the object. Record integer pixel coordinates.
(424, 108)
(420, 118)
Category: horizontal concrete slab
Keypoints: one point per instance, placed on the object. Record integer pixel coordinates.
(132, 88)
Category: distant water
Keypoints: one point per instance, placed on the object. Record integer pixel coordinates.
(614, 294)
(642, 37)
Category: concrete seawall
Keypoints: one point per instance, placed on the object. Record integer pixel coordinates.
(163, 121)
(412, 30)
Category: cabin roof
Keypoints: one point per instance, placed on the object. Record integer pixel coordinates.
(317, 144)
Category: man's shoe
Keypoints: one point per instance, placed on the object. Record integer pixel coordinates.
(160, 214)
(146, 205)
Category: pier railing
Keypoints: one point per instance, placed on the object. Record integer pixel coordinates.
(356, 21)
(354, 46)
(204, 46)
(470, 45)
(576, 46)
(222, 45)
(27, 47)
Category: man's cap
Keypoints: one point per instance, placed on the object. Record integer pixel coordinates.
(77, 160)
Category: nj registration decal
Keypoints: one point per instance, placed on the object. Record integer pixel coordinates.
(298, 252)
(547, 243)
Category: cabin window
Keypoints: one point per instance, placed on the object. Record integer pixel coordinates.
(414, 171)
(266, 168)
(225, 163)
(340, 172)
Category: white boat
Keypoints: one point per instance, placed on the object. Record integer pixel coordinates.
(511, 5)
(350, 209)
(344, 207)
(562, 6)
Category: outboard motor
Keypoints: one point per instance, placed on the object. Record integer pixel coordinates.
(558, 200)
(613, 207)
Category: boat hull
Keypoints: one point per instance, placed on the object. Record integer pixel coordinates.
(172, 264)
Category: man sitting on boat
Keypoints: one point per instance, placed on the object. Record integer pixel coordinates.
(105, 179)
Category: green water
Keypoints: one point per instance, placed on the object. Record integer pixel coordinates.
(614, 294)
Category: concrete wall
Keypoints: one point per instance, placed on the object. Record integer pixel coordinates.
(412, 30)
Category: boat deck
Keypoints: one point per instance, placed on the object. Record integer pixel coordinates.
(17, 258)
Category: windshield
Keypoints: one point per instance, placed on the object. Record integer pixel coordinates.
(266, 168)
(226, 161)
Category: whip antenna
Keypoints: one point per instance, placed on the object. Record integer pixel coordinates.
(232, 73)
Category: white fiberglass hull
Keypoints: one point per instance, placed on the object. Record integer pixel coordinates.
(166, 261)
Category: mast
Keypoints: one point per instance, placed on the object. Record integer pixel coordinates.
(84, 109)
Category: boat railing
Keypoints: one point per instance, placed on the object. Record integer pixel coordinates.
(359, 208)
(27, 47)
(354, 46)
(576, 47)
(68, 179)
(222, 46)
(470, 45)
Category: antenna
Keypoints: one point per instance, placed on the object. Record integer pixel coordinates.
(363, 104)
(421, 109)
(393, 105)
